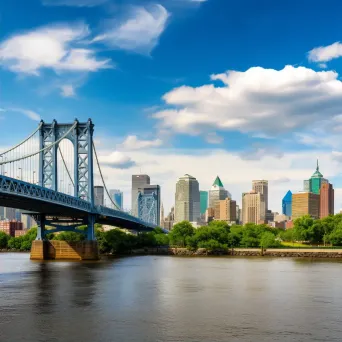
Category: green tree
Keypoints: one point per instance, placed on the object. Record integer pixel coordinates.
(3, 240)
(69, 236)
(335, 237)
(268, 240)
(180, 232)
(212, 245)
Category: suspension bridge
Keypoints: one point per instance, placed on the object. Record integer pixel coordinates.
(50, 175)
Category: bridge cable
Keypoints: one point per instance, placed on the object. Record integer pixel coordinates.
(103, 182)
(42, 150)
(60, 152)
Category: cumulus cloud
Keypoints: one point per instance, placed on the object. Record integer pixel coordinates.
(257, 100)
(116, 160)
(74, 3)
(53, 47)
(139, 31)
(325, 53)
(133, 143)
(68, 90)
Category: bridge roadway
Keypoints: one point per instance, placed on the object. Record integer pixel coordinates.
(18, 194)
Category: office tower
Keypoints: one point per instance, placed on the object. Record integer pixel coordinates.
(315, 182)
(99, 195)
(262, 187)
(326, 200)
(227, 210)
(117, 197)
(287, 204)
(162, 218)
(169, 220)
(217, 193)
(149, 204)
(9, 214)
(187, 199)
(253, 207)
(305, 203)
(2, 213)
(138, 181)
(238, 214)
(204, 201)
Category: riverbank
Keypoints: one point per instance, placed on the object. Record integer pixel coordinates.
(245, 252)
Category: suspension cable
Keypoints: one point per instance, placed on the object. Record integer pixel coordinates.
(24, 141)
(103, 182)
(42, 150)
(60, 152)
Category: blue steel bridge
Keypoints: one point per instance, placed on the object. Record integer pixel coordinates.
(50, 175)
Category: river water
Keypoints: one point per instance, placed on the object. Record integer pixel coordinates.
(170, 299)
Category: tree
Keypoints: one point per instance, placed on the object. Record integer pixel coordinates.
(301, 228)
(212, 245)
(180, 232)
(268, 240)
(3, 240)
(335, 237)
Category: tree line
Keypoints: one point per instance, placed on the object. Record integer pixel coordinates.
(216, 235)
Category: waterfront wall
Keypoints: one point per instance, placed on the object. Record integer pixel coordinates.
(271, 252)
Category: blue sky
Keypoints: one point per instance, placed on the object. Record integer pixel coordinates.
(244, 89)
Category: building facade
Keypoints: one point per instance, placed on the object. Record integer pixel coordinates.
(99, 195)
(305, 203)
(227, 210)
(287, 204)
(315, 182)
(170, 219)
(187, 199)
(326, 200)
(149, 204)
(253, 207)
(217, 193)
(117, 197)
(10, 227)
(138, 181)
(261, 186)
(204, 201)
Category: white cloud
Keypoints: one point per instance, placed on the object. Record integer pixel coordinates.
(116, 160)
(56, 47)
(139, 31)
(133, 143)
(258, 100)
(74, 3)
(325, 53)
(27, 112)
(323, 65)
(68, 90)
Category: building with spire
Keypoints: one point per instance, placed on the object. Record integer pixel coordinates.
(314, 184)
(217, 193)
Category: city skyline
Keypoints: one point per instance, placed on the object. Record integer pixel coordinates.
(160, 130)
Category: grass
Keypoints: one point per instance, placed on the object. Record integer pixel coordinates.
(294, 244)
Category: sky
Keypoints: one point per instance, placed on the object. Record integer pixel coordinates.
(242, 89)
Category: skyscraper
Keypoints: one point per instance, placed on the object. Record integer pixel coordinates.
(253, 207)
(117, 196)
(187, 199)
(305, 203)
(262, 187)
(326, 200)
(227, 210)
(287, 204)
(99, 195)
(149, 203)
(138, 181)
(315, 182)
(217, 193)
(204, 201)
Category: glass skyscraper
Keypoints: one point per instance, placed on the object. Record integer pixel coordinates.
(315, 182)
(203, 201)
(117, 196)
(287, 204)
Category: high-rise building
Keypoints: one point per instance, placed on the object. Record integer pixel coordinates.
(162, 217)
(187, 199)
(315, 182)
(2, 213)
(138, 181)
(99, 195)
(117, 196)
(305, 203)
(204, 201)
(253, 207)
(227, 210)
(217, 193)
(170, 219)
(287, 204)
(149, 204)
(262, 187)
(326, 200)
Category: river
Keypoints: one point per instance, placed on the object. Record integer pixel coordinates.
(146, 299)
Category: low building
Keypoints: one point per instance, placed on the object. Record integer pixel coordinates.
(20, 232)
(10, 227)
